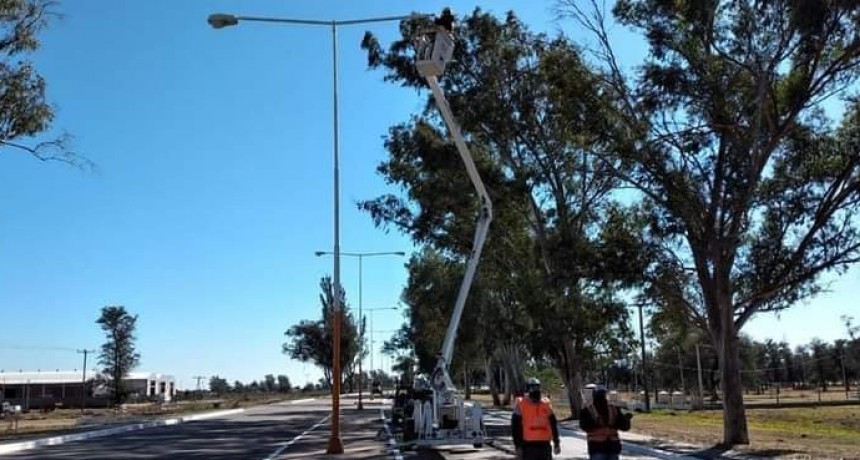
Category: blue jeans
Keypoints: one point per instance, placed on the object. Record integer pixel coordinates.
(601, 456)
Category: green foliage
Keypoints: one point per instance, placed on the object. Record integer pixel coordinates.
(219, 386)
(750, 187)
(24, 111)
(560, 248)
(269, 383)
(118, 355)
(430, 292)
(548, 376)
(311, 340)
(284, 384)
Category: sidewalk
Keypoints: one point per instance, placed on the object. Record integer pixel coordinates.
(362, 433)
(574, 445)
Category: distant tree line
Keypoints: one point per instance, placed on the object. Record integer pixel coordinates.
(269, 384)
(673, 365)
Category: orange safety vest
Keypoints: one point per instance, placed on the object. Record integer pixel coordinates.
(603, 432)
(535, 419)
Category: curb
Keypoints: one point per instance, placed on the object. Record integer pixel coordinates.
(57, 440)
(392, 443)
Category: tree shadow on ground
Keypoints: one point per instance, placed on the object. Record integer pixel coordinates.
(718, 451)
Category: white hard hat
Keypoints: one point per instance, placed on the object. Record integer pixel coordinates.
(533, 382)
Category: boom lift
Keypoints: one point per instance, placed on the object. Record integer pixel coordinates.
(440, 416)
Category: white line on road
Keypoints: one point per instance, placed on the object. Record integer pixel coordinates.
(392, 443)
(289, 443)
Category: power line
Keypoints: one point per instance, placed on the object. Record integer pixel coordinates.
(35, 348)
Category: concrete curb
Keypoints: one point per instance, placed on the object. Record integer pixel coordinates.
(392, 443)
(57, 440)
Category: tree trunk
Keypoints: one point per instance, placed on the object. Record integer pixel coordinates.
(492, 374)
(571, 371)
(512, 362)
(467, 384)
(506, 400)
(734, 415)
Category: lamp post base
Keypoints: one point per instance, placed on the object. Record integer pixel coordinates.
(335, 446)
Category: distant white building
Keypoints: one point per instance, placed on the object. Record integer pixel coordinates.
(35, 390)
(149, 385)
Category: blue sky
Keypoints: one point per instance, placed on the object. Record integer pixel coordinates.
(214, 184)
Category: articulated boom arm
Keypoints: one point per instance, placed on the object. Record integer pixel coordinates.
(441, 379)
(442, 417)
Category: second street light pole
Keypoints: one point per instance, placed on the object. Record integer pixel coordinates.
(361, 256)
(371, 310)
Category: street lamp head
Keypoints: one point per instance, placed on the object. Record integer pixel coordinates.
(220, 20)
(400, 253)
(319, 253)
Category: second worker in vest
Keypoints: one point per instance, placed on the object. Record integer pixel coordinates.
(534, 425)
(601, 422)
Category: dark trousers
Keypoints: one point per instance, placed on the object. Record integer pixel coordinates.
(537, 451)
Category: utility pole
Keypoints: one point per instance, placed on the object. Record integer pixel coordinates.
(84, 352)
(699, 366)
(644, 368)
(681, 370)
(199, 378)
(845, 377)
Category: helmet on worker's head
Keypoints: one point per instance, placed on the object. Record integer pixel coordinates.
(598, 392)
(533, 388)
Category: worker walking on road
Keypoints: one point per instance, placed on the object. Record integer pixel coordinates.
(601, 422)
(534, 425)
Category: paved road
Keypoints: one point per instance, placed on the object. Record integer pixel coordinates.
(295, 431)
(260, 433)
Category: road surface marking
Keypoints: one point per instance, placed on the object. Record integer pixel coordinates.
(392, 443)
(289, 443)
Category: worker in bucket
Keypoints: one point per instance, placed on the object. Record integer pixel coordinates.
(601, 422)
(534, 425)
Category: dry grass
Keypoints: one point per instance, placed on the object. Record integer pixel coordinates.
(831, 432)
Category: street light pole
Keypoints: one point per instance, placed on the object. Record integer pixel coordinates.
(335, 445)
(220, 20)
(644, 362)
(371, 310)
(361, 256)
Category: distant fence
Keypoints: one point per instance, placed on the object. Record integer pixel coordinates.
(663, 399)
